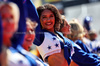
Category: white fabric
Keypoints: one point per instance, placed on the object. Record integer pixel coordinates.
(95, 44)
(48, 47)
(16, 59)
(91, 44)
(87, 43)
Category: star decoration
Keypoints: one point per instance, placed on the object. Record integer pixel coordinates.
(20, 61)
(54, 38)
(57, 45)
(49, 47)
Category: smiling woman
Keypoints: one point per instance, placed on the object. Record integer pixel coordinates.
(51, 45)
(10, 18)
(9, 21)
(47, 20)
(30, 34)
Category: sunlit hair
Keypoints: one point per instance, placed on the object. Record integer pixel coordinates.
(62, 22)
(32, 23)
(52, 8)
(14, 8)
(77, 30)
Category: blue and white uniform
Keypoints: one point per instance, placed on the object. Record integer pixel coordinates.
(25, 57)
(49, 43)
(83, 58)
(95, 47)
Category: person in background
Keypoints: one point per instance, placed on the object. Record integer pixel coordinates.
(77, 34)
(65, 30)
(94, 44)
(86, 40)
(78, 52)
(29, 38)
(30, 34)
(65, 27)
(92, 35)
(17, 39)
(10, 18)
(87, 23)
(10, 24)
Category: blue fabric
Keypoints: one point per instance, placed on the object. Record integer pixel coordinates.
(20, 50)
(85, 49)
(97, 49)
(87, 20)
(83, 58)
(31, 60)
(19, 37)
(66, 46)
(27, 9)
(82, 45)
(0, 34)
(33, 15)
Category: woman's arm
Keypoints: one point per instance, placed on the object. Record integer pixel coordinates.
(84, 59)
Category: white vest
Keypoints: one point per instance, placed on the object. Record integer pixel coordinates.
(49, 46)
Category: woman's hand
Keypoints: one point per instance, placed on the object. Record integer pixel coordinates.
(57, 59)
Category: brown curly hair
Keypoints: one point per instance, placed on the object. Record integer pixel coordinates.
(52, 8)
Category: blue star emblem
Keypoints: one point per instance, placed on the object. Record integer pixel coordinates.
(54, 38)
(20, 62)
(57, 45)
(49, 47)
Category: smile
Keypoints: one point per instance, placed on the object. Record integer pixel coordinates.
(48, 23)
(29, 39)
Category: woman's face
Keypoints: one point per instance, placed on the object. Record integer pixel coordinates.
(29, 37)
(8, 22)
(47, 20)
(66, 28)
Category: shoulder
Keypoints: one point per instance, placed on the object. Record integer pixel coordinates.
(16, 59)
(78, 42)
(59, 33)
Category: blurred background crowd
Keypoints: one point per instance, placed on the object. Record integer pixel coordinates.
(79, 24)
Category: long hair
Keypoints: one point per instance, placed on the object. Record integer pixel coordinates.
(52, 8)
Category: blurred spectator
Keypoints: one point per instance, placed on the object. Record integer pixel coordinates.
(78, 49)
(92, 35)
(87, 22)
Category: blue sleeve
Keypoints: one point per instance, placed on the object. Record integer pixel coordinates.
(84, 59)
(67, 48)
(82, 45)
(67, 51)
(18, 37)
(67, 54)
(84, 48)
(95, 55)
(38, 40)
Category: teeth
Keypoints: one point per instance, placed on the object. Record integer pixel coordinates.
(49, 23)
